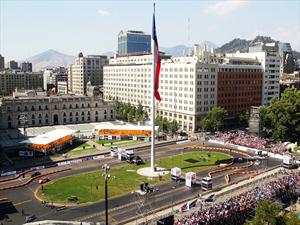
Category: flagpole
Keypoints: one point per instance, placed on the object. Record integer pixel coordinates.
(153, 105)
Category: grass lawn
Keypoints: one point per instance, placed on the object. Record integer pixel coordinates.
(119, 143)
(89, 187)
(106, 141)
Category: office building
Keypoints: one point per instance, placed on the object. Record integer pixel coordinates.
(85, 69)
(268, 56)
(133, 42)
(2, 63)
(12, 65)
(239, 85)
(42, 110)
(10, 80)
(187, 85)
(26, 67)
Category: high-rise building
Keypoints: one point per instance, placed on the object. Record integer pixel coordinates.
(85, 69)
(133, 42)
(268, 56)
(287, 63)
(26, 67)
(13, 65)
(10, 80)
(2, 67)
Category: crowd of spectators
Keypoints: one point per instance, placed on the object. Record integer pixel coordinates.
(243, 139)
(237, 209)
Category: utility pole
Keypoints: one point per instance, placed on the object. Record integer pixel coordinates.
(106, 178)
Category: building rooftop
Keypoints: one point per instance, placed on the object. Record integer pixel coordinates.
(49, 137)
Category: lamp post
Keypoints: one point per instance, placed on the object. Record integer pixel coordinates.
(106, 176)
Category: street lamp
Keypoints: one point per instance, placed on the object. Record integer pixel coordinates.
(106, 176)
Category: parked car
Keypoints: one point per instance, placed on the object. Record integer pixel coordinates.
(35, 174)
(30, 218)
(44, 180)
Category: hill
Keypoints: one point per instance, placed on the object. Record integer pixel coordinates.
(49, 58)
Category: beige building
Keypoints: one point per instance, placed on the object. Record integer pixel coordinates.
(187, 85)
(10, 80)
(85, 69)
(42, 110)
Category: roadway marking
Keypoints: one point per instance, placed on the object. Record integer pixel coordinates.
(20, 203)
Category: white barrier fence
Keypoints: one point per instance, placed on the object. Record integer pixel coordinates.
(244, 149)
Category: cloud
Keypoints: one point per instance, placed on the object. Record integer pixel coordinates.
(103, 12)
(225, 7)
(290, 35)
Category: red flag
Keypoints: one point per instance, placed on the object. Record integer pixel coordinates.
(157, 60)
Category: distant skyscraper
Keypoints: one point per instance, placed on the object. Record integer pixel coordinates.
(26, 67)
(133, 42)
(1, 62)
(287, 64)
(13, 65)
(85, 69)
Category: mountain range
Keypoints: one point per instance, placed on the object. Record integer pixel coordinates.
(53, 58)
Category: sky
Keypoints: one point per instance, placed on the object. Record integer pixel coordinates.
(28, 27)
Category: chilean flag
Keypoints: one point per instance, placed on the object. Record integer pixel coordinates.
(157, 60)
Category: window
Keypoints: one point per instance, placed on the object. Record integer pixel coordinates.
(32, 108)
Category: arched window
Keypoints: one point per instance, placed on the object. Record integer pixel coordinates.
(96, 112)
(70, 106)
(104, 111)
(82, 113)
(71, 114)
(76, 113)
(32, 117)
(82, 105)
(25, 108)
(32, 108)
(46, 115)
(96, 105)
(76, 106)
(88, 112)
(64, 106)
(40, 116)
(88, 105)
(111, 111)
(65, 114)
(8, 118)
(40, 107)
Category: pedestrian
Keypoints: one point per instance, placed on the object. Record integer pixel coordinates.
(22, 211)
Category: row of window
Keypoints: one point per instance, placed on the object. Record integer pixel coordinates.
(32, 108)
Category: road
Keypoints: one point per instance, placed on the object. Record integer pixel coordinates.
(122, 208)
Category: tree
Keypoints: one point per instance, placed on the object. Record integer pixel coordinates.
(267, 213)
(243, 118)
(173, 127)
(281, 119)
(213, 120)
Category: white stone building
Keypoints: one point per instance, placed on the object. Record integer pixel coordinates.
(42, 110)
(187, 85)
